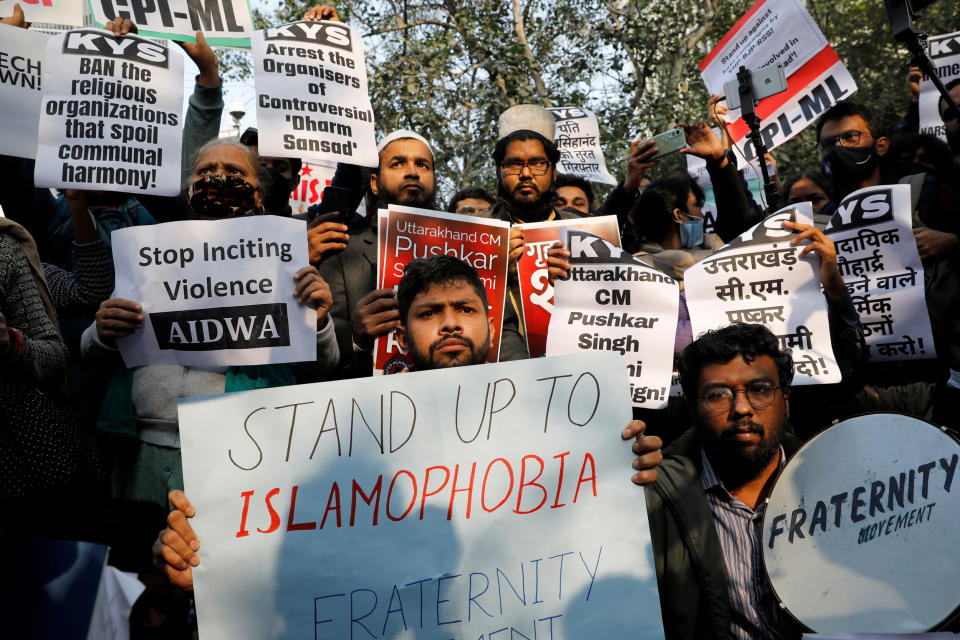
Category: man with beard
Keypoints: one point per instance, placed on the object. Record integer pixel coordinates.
(443, 312)
(526, 163)
(361, 312)
(706, 505)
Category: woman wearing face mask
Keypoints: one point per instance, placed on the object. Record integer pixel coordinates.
(227, 181)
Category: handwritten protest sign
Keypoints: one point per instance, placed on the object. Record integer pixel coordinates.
(759, 278)
(945, 52)
(462, 503)
(225, 23)
(779, 31)
(577, 136)
(21, 75)
(408, 233)
(312, 99)
(881, 267)
(110, 115)
(65, 12)
(215, 292)
(536, 292)
(614, 302)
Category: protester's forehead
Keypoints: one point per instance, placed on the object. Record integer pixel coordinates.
(737, 371)
(406, 148)
(570, 192)
(446, 292)
(226, 154)
(846, 123)
(525, 149)
(476, 203)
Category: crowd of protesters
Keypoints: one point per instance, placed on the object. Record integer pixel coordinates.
(90, 449)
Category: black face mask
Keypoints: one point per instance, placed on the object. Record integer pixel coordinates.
(849, 166)
(278, 195)
(218, 196)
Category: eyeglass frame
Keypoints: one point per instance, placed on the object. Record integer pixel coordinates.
(832, 141)
(733, 398)
(528, 164)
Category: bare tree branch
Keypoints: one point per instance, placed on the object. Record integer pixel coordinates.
(528, 52)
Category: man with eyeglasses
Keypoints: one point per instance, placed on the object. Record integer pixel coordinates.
(850, 149)
(526, 165)
(706, 505)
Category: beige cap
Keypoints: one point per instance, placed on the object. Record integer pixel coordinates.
(402, 134)
(527, 117)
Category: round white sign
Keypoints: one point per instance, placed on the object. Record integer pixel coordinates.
(859, 534)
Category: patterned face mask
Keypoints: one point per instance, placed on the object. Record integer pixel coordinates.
(218, 196)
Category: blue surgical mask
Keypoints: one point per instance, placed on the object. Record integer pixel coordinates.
(691, 233)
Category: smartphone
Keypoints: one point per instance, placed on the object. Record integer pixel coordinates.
(766, 81)
(337, 199)
(668, 142)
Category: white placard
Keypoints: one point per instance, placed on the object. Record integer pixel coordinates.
(403, 506)
(858, 530)
(65, 12)
(312, 99)
(771, 32)
(759, 278)
(577, 136)
(879, 262)
(945, 52)
(215, 292)
(225, 23)
(21, 75)
(110, 115)
(614, 302)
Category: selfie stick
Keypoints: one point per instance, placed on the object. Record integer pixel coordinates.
(745, 78)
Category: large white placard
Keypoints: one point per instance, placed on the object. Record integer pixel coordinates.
(881, 267)
(945, 52)
(614, 302)
(21, 75)
(312, 99)
(215, 292)
(110, 115)
(771, 32)
(226, 23)
(577, 136)
(65, 12)
(759, 278)
(476, 502)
